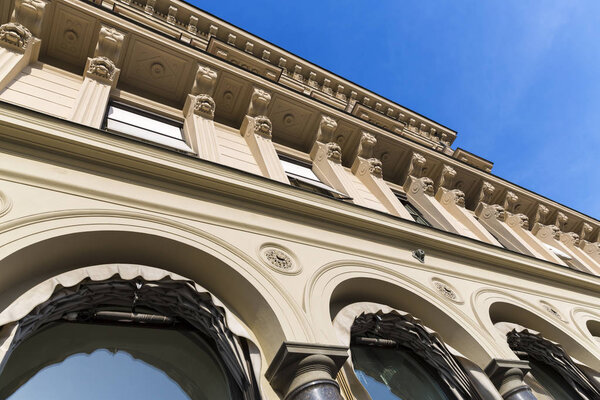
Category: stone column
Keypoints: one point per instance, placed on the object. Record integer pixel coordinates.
(257, 130)
(302, 371)
(99, 78)
(19, 42)
(507, 376)
(199, 111)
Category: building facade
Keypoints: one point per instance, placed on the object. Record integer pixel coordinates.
(161, 168)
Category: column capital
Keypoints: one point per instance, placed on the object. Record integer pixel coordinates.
(306, 371)
(507, 376)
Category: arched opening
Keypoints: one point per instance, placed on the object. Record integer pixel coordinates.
(378, 291)
(506, 312)
(554, 356)
(594, 328)
(42, 260)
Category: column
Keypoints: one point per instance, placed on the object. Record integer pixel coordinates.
(507, 376)
(303, 371)
(199, 112)
(19, 39)
(257, 130)
(99, 78)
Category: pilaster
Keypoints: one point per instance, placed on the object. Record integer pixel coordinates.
(199, 111)
(257, 130)
(369, 171)
(100, 76)
(419, 191)
(326, 156)
(19, 39)
(453, 200)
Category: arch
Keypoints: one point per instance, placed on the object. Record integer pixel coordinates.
(46, 245)
(588, 323)
(337, 285)
(496, 306)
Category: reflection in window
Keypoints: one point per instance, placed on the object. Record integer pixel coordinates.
(552, 381)
(133, 122)
(92, 361)
(396, 374)
(300, 174)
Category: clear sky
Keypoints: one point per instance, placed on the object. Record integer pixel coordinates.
(517, 79)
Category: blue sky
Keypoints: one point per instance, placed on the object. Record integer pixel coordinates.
(518, 79)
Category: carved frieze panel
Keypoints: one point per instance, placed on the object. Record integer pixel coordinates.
(153, 69)
(243, 59)
(71, 36)
(232, 96)
(294, 121)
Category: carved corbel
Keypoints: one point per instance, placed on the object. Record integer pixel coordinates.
(110, 42)
(24, 26)
(203, 88)
(365, 160)
(541, 214)
(520, 220)
(447, 177)
(486, 192)
(101, 69)
(586, 230)
(510, 201)
(561, 220)
(256, 115)
(327, 127)
(570, 239)
(417, 164)
(454, 196)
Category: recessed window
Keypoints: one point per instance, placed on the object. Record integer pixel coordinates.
(301, 175)
(412, 210)
(133, 122)
(396, 374)
(120, 362)
(552, 381)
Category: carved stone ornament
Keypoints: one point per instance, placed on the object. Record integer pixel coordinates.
(279, 259)
(510, 201)
(205, 81)
(553, 355)
(447, 176)
(5, 204)
(570, 238)
(454, 196)
(561, 220)
(204, 106)
(334, 152)
(30, 14)
(540, 214)
(259, 102)
(15, 36)
(446, 290)
(263, 126)
(487, 190)
(520, 220)
(405, 331)
(326, 128)
(367, 143)
(586, 229)
(552, 311)
(375, 167)
(417, 162)
(422, 184)
(493, 211)
(102, 68)
(109, 43)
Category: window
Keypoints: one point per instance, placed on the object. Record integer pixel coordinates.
(396, 374)
(417, 216)
(552, 381)
(130, 121)
(117, 361)
(301, 175)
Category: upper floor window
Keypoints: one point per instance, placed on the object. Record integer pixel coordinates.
(301, 175)
(130, 121)
(412, 210)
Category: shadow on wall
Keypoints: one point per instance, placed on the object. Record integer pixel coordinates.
(378, 291)
(40, 261)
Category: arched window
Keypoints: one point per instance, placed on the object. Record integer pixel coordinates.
(550, 365)
(154, 335)
(396, 357)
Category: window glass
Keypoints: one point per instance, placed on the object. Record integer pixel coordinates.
(92, 361)
(396, 374)
(412, 210)
(552, 381)
(302, 176)
(136, 123)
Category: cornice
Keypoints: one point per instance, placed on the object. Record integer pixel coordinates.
(44, 137)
